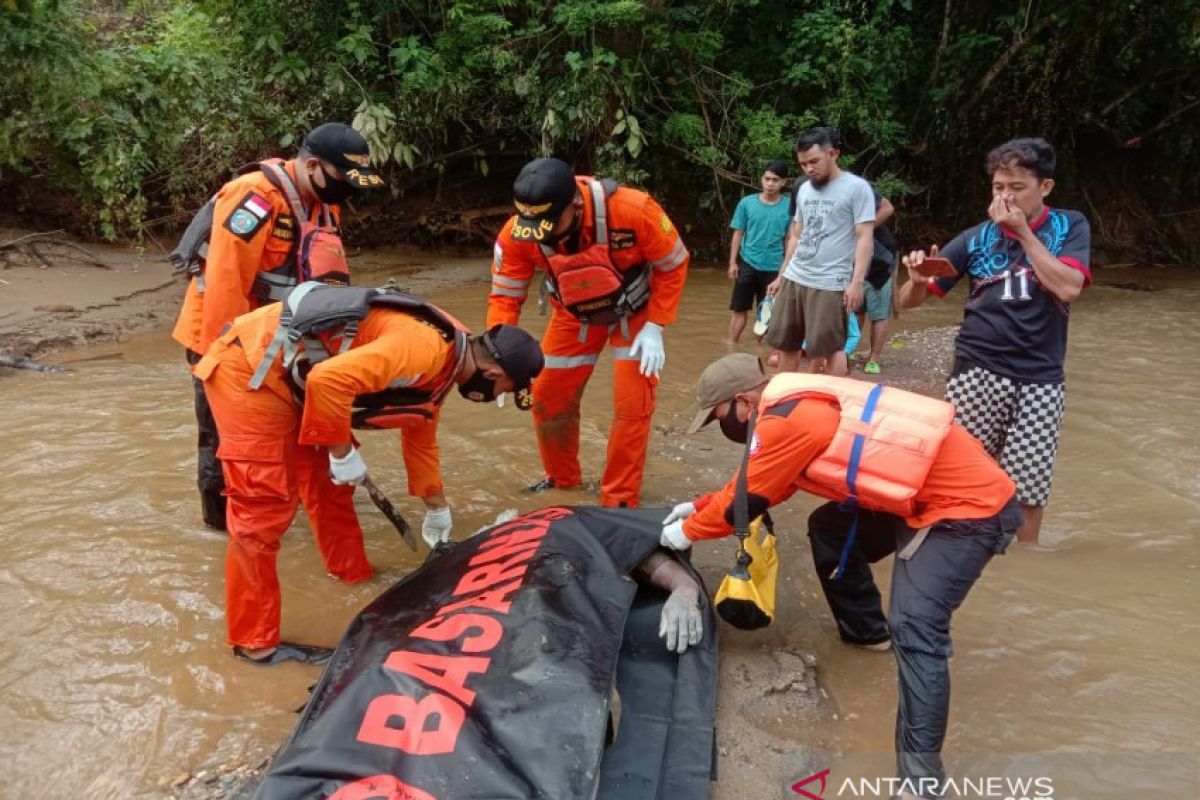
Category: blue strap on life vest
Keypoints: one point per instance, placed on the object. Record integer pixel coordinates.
(851, 503)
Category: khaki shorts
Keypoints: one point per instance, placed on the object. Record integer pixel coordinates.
(802, 313)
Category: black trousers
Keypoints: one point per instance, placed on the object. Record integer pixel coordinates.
(209, 478)
(926, 590)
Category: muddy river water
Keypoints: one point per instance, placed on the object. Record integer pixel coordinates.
(115, 674)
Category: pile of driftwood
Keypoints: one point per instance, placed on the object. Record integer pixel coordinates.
(44, 249)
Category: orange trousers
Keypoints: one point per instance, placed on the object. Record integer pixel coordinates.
(267, 475)
(557, 393)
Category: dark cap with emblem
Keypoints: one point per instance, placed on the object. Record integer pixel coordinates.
(346, 151)
(544, 187)
(519, 355)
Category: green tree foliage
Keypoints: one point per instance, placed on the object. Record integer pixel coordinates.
(130, 110)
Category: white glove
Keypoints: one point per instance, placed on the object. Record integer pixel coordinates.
(349, 469)
(649, 343)
(436, 527)
(681, 511)
(674, 537)
(681, 622)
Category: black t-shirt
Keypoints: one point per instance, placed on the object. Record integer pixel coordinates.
(1012, 326)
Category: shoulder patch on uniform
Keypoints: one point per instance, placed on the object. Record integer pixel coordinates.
(284, 228)
(246, 220)
(664, 223)
(622, 238)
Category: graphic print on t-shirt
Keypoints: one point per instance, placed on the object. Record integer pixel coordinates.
(814, 229)
(993, 257)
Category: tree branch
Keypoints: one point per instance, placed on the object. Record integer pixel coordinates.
(1164, 123)
(1002, 62)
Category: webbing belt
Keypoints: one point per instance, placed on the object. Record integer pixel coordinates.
(851, 502)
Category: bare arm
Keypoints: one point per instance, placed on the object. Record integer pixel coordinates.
(794, 232)
(884, 212)
(1061, 280)
(661, 570)
(681, 623)
(915, 292)
(864, 246)
(793, 239)
(735, 247)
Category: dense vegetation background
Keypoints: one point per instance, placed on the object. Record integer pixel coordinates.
(121, 117)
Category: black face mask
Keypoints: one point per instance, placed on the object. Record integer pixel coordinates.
(572, 231)
(334, 191)
(478, 388)
(735, 429)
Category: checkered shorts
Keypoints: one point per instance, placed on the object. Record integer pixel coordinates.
(1017, 422)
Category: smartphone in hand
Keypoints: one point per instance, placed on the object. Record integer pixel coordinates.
(933, 267)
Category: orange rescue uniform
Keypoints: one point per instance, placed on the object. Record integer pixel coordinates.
(234, 260)
(963, 483)
(640, 233)
(275, 454)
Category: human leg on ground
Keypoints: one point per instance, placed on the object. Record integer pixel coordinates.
(825, 325)
(737, 324)
(984, 403)
(558, 392)
(331, 515)
(853, 598)
(741, 301)
(786, 332)
(879, 311)
(926, 590)
(1031, 448)
(258, 432)
(209, 478)
(634, 397)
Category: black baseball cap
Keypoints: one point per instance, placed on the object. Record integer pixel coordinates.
(346, 151)
(544, 187)
(519, 355)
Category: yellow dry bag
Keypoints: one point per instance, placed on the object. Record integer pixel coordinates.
(746, 597)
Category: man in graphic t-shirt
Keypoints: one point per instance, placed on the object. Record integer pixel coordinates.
(1025, 265)
(828, 257)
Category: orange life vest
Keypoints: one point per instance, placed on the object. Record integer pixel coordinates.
(885, 444)
(589, 284)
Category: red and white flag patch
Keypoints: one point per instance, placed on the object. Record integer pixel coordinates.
(257, 205)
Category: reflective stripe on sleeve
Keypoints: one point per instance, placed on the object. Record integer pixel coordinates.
(673, 259)
(520, 294)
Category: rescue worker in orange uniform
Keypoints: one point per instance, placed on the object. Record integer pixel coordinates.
(926, 488)
(356, 355)
(615, 268)
(244, 249)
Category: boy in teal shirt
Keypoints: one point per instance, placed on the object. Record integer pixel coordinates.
(760, 226)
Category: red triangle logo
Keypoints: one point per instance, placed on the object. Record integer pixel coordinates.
(798, 786)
